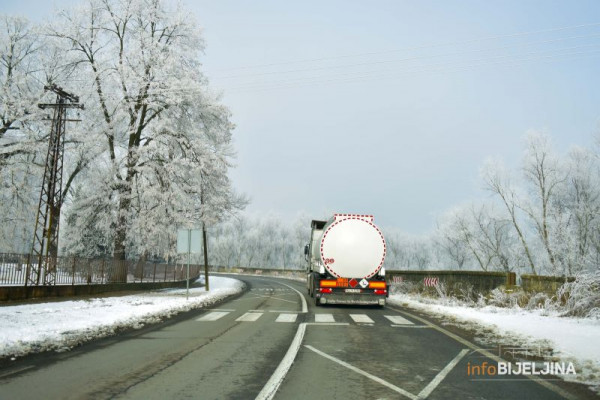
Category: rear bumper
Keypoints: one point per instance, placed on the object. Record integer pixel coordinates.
(344, 298)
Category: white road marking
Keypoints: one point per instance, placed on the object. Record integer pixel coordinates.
(361, 318)
(270, 388)
(441, 375)
(410, 326)
(328, 323)
(16, 371)
(266, 297)
(324, 318)
(213, 316)
(302, 299)
(364, 373)
(486, 353)
(249, 317)
(398, 320)
(286, 318)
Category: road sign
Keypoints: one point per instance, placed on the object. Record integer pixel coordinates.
(188, 241)
(430, 281)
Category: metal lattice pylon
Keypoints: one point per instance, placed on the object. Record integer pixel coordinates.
(41, 263)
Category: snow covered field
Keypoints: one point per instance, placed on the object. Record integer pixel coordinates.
(571, 339)
(61, 325)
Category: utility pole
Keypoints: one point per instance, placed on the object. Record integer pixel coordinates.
(205, 250)
(41, 262)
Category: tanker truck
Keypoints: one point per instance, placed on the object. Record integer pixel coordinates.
(345, 261)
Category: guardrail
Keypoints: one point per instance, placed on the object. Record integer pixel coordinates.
(69, 270)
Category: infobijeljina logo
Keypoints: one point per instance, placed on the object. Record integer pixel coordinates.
(523, 368)
(529, 364)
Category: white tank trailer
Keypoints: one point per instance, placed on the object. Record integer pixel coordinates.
(345, 261)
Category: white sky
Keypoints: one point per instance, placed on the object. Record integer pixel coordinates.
(403, 103)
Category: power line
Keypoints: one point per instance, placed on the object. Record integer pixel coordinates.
(405, 59)
(436, 64)
(526, 33)
(371, 77)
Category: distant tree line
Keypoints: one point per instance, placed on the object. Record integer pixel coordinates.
(541, 218)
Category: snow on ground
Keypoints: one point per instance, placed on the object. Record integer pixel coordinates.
(60, 325)
(571, 339)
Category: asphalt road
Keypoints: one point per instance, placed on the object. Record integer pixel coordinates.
(273, 342)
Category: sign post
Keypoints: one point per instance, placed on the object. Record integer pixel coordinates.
(188, 241)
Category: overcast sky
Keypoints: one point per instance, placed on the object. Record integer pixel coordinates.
(390, 107)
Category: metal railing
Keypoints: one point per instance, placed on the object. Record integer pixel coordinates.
(68, 270)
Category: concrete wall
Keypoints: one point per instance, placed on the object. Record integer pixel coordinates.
(542, 283)
(32, 292)
(480, 281)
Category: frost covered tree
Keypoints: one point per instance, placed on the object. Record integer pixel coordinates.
(23, 52)
(163, 139)
(260, 242)
(479, 234)
(578, 207)
(497, 180)
(543, 175)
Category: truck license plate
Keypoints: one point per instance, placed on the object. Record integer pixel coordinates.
(352, 290)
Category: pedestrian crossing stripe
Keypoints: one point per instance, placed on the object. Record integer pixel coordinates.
(250, 317)
(213, 316)
(361, 319)
(398, 320)
(321, 318)
(286, 318)
(324, 318)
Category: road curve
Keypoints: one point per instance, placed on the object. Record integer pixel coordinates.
(271, 343)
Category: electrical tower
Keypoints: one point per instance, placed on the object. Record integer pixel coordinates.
(41, 262)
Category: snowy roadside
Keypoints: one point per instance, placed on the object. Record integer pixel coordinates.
(61, 325)
(571, 339)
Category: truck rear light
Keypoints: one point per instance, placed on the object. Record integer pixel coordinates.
(377, 285)
(380, 291)
(326, 290)
(328, 283)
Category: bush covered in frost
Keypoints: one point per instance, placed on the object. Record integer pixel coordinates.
(582, 296)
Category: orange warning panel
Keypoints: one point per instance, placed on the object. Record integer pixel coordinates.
(342, 282)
